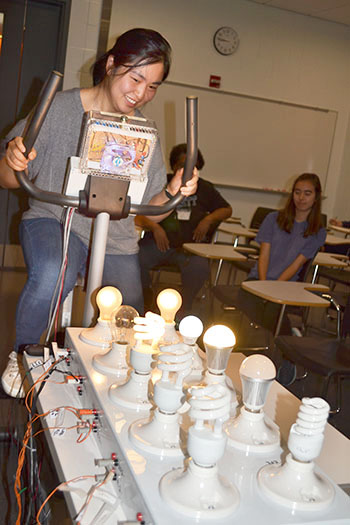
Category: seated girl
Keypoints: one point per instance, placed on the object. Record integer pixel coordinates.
(292, 236)
(288, 239)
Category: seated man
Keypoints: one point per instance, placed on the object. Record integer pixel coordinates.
(194, 220)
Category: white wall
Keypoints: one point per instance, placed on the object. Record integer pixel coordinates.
(282, 55)
(84, 27)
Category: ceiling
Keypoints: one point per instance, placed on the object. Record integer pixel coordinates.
(332, 10)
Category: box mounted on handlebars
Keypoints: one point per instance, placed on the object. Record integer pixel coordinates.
(115, 153)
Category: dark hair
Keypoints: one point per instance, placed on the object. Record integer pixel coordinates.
(285, 218)
(181, 149)
(136, 47)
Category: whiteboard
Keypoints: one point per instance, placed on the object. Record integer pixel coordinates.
(247, 141)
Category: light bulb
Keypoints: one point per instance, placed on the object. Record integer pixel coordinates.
(257, 373)
(218, 342)
(124, 323)
(258, 367)
(150, 327)
(190, 328)
(108, 299)
(169, 302)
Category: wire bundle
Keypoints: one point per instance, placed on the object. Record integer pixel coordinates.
(29, 451)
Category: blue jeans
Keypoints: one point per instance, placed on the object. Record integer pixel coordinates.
(194, 269)
(41, 241)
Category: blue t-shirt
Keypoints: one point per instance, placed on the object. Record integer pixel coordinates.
(285, 247)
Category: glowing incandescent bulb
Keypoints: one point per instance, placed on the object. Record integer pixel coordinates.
(169, 302)
(108, 300)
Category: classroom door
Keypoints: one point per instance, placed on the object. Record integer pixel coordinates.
(33, 43)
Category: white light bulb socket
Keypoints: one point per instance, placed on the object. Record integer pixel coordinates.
(296, 485)
(98, 335)
(251, 433)
(159, 435)
(112, 362)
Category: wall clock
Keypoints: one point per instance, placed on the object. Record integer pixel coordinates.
(226, 40)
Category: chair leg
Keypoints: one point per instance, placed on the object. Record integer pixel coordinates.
(337, 380)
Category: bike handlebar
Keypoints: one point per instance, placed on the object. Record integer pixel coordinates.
(33, 127)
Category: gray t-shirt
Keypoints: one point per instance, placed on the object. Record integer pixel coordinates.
(285, 247)
(57, 141)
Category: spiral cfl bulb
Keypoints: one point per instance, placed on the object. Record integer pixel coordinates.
(295, 484)
(186, 489)
(306, 434)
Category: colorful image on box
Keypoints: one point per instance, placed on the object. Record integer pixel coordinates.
(118, 154)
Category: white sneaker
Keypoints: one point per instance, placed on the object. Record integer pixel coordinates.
(11, 379)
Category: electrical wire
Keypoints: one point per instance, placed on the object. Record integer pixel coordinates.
(58, 291)
(69, 212)
(90, 495)
(28, 490)
(73, 480)
(28, 438)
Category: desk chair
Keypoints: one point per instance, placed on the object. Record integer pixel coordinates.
(257, 219)
(165, 267)
(336, 276)
(261, 313)
(326, 357)
(173, 268)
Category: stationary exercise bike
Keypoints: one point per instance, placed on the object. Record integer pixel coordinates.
(104, 198)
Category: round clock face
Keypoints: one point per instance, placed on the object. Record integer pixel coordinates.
(226, 40)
